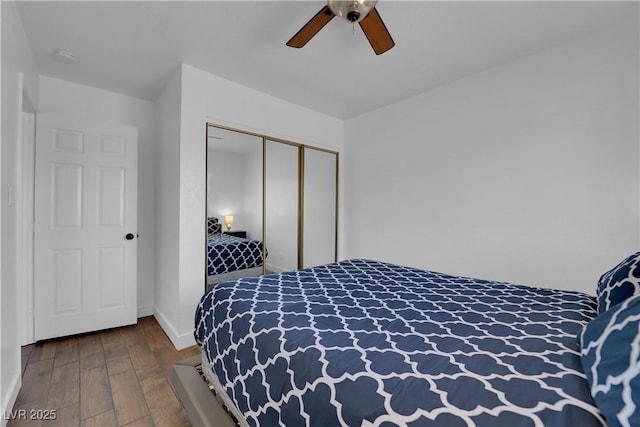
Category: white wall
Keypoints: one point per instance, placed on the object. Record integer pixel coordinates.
(66, 99)
(319, 207)
(226, 187)
(167, 195)
(281, 209)
(253, 194)
(209, 98)
(527, 172)
(19, 78)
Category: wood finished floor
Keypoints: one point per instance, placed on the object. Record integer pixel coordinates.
(117, 377)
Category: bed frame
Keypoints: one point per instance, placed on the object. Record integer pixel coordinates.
(201, 402)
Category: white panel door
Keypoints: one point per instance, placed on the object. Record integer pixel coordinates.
(85, 226)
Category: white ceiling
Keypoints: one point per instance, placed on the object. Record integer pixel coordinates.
(134, 47)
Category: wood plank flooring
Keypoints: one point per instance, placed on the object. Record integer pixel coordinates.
(118, 377)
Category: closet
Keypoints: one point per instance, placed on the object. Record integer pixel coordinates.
(280, 196)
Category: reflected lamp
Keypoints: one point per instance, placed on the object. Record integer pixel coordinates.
(228, 221)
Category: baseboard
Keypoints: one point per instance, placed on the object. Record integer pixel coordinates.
(179, 341)
(275, 268)
(145, 310)
(13, 391)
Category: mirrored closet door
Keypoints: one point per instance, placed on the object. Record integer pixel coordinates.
(271, 205)
(320, 207)
(235, 234)
(282, 205)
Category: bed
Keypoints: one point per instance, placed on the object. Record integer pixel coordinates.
(231, 257)
(366, 343)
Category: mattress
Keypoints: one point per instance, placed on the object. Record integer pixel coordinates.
(362, 342)
(226, 253)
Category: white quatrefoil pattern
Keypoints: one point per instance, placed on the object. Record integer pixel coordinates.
(228, 253)
(611, 359)
(365, 343)
(619, 283)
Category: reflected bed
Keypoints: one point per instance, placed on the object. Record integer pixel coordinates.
(231, 257)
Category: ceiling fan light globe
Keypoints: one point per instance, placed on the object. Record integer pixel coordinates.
(352, 10)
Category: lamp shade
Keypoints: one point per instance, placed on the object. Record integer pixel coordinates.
(228, 221)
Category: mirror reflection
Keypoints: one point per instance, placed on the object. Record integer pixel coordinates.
(282, 205)
(320, 207)
(234, 205)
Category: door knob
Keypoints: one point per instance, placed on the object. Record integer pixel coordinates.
(129, 236)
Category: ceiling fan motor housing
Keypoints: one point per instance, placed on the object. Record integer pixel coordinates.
(352, 10)
(354, 13)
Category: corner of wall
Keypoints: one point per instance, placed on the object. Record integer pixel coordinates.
(19, 77)
(145, 310)
(12, 395)
(167, 204)
(179, 341)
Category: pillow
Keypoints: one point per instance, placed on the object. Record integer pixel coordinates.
(610, 356)
(619, 283)
(213, 227)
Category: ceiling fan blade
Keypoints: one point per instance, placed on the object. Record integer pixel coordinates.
(311, 28)
(376, 32)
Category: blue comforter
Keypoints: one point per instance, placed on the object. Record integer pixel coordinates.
(367, 343)
(227, 253)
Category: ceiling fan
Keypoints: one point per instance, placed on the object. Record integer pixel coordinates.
(361, 11)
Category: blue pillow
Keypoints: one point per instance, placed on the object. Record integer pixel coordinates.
(610, 356)
(213, 227)
(619, 283)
